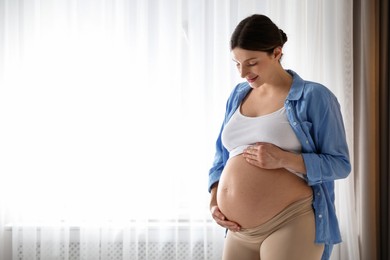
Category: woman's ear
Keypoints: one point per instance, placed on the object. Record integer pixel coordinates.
(278, 53)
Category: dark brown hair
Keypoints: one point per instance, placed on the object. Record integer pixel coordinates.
(257, 33)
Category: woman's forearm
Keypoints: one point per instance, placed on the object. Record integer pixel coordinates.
(294, 161)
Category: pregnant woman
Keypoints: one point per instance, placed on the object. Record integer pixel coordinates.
(281, 146)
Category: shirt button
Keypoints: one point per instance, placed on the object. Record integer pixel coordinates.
(294, 123)
(286, 101)
(307, 141)
(318, 194)
(320, 216)
(289, 107)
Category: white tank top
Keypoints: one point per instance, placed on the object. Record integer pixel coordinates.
(242, 131)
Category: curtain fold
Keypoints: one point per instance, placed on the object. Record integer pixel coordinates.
(384, 126)
(109, 112)
(371, 112)
(366, 125)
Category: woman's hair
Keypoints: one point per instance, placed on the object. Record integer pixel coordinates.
(257, 33)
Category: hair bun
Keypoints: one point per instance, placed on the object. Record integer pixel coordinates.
(283, 36)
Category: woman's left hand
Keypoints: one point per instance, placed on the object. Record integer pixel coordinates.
(264, 155)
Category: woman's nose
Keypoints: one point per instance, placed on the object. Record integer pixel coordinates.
(243, 72)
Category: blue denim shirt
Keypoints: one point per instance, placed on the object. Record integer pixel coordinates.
(314, 114)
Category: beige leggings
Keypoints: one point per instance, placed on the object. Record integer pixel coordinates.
(287, 236)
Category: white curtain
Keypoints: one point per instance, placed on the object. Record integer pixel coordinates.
(109, 110)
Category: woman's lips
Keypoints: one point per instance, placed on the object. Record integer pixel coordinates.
(251, 80)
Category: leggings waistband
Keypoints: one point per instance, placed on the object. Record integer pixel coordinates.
(292, 211)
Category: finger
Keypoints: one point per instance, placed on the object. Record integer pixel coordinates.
(229, 225)
(219, 217)
(254, 162)
(234, 227)
(250, 150)
(255, 148)
(250, 157)
(217, 214)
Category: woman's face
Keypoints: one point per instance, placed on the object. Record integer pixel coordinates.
(255, 66)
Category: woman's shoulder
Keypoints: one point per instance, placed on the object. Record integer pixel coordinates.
(316, 88)
(242, 86)
(310, 89)
(240, 89)
(319, 96)
(236, 95)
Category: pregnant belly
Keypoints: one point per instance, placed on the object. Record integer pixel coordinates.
(250, 195)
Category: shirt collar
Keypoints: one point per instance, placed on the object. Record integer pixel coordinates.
(296, 89)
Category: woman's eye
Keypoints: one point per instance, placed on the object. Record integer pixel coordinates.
(252, 64)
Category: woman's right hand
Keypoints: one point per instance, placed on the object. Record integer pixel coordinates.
(222, 221)
(217, 215)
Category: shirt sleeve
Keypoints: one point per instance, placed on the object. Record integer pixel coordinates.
(330, 159)
(218, 163)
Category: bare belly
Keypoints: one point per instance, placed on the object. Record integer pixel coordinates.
(250, 195)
